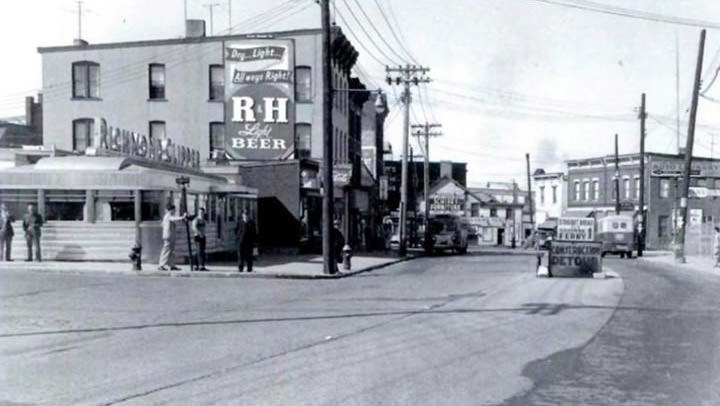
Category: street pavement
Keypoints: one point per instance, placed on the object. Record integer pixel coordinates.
(464, 330)
(267, 266)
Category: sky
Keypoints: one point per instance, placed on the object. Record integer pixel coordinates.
(508, 77)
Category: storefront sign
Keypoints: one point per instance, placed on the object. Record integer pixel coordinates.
(575, 257)
(447, 204)
(695, 217)
(677, 168)
(259, 92)
(342, 175)
(134, 144)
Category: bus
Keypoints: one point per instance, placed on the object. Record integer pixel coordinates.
(447, 232)
(617, 234)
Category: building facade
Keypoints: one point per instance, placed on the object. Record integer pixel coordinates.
(591, 189)
(550, 191)
(239, 115)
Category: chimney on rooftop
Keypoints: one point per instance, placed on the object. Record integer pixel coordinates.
(79, 42)
(194, 28)
(446, 169)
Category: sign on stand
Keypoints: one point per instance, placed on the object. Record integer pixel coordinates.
(574, 250)
(576, 229)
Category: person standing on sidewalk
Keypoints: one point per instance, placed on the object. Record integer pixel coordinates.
(339, 243)
(32, 224)
(167, 254)
(198, 231)
(245, 234)
(6, 233)
(716, 247)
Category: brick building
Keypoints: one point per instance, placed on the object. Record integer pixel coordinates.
(591, 189)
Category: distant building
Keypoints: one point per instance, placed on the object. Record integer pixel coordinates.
(550, 191)
(504, 216)
(456, 171)
(25, 130)
(591, 190)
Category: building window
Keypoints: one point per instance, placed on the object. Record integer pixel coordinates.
(156, 85)
(542, 195)
(586, 187)
(217, 140)
(577, 190)
(662, 226)
(637, 188)
(664, 188)
(82, 134)
(554, 194)
(626, 188)
(475, 210)
(86, 80)
(157, 130)
(493, 212)
(596, 190)
(303, 135)
(217, 82)
(508, 213)
(303, 84)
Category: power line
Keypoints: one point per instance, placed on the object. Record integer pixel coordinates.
(362, 27)
(394, 34)
(380, 35)
(631, 13)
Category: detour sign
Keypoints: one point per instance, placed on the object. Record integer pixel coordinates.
(570, 258)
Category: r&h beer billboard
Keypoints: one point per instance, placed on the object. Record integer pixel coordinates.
(259, 92)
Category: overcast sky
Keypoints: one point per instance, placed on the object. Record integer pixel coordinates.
(509, 76)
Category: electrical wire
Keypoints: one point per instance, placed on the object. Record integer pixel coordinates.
(370, 38)
(372, 25)
(630, 13)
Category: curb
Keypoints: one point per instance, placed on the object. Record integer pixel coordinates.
(214, 274)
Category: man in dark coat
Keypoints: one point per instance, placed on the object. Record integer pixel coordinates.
(245, 235)
(32, 223)
(338, 243)
(6, 233)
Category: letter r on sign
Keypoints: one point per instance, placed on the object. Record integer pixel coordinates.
(242, 110)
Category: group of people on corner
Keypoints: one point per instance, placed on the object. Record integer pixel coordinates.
(245, 233)
(32, 225)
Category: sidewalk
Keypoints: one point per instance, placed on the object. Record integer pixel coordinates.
(692, 263)
(286, 267)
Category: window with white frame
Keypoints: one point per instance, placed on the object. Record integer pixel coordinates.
(595, 189)
(82, 134)
(577, 190)
(217, 82)
(626, 188)
(586, 189)
(542, 195)
(637, 188)
(86, 80)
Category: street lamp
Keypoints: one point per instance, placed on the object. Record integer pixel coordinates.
(183, 182)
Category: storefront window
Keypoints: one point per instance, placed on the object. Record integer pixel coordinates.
(151, 205)
(65, 205)
(17, 200)
(114, 205)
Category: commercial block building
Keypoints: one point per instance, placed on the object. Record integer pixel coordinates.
(591, 189)
(239, 115)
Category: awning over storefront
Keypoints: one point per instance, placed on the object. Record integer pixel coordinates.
(101, 173)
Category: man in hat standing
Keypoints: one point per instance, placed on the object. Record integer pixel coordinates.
(32, 223)
(167, 254)
(198, 232)
(245, 234)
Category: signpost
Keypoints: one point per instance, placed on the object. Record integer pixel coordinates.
(574, 250)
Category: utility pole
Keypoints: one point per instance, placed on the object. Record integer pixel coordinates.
(643, 221)
(680, 252)
(211, 6)
(530, 201)
(230, 26)
(617, 177)
(79, 12)
(407, 75)
(329, 262)
(424, 130)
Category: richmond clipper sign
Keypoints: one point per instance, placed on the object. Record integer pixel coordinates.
(137, 145)
(259, 91)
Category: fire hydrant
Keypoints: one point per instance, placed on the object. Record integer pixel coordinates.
(136, 257)
(347, 256)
